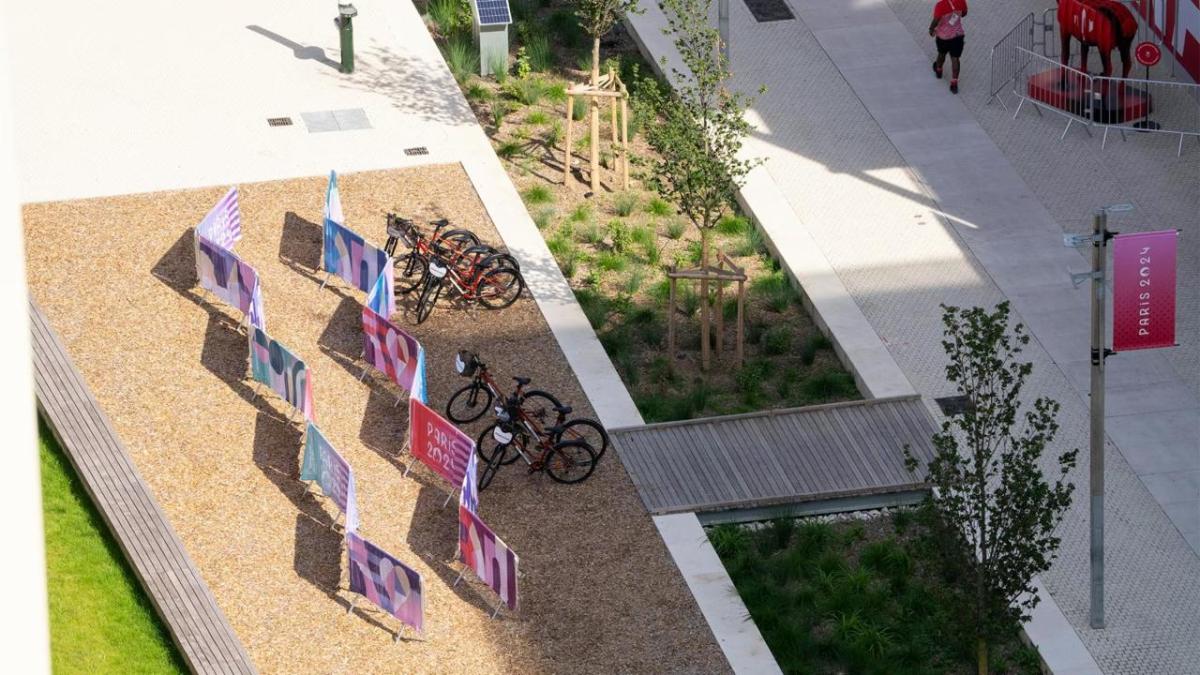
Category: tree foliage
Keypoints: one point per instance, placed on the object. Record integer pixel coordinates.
(702, 123)
(596, 18)
(989, 488)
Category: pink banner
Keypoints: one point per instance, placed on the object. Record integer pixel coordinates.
(390, 350)
(393, 586)
(488, 556)
(1144, 290)
(438, 443)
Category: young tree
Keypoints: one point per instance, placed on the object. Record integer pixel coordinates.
(700, 133)
(990, 491)
(597, 17)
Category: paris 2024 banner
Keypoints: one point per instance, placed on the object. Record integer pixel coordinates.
(393, 586)
(438, 443)
(273, 365)
(1144, 290)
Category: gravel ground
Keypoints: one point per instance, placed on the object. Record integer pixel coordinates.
(599, 592)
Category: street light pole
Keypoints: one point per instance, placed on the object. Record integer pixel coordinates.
(1099, 266)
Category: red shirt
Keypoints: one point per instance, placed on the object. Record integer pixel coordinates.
(948, 14)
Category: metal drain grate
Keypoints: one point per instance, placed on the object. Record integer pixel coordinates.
(769, 10)
(279, 121)
(953, 405)
(419, 150)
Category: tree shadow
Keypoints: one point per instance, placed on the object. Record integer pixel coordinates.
(407, 80)
(302, 52)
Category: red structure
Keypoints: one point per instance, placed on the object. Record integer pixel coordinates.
(1104, 24)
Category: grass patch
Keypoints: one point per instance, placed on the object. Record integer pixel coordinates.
(625, 204)
(554, 134)
(812, 345)
(478, 92)
(543, 217)
(538, 194)
(659, 207)
(777, 340)
(565, 26)
(611, 261)
(675, 229)
(509, 149)
(581, 213)
(100, 621)
(499, 110)
(462, 58)
(578, 109)
(851, 597)
(528, 91)
(537, 50)
(732, 225)
(538, 117)
(828, 385)
(590, 234)
(775, 290)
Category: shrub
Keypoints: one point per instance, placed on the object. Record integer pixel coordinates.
(617, 342)
(652, 254)
(675, 229)
(777, 340)
(653, 332)
(750, 379)
(813, 344)
(542, 218)
(560, 246)
(478, 92)
(661, 290)
(537, 50)
(462, 58)
(451, 17)
(787, 381)
(728, 539)
(527, 91)
(610, 261)
(633, 282)
(594, 306)
(500, 109)
(568, 265)
(579, 108)
(508, 149)
(522, 62)
(659, 207)
(687, 299)
(591, 234)
(828, 385)
(661, 371)
(553, 134)
(642, 235)
(694, 251)
(581, 213)
(538, 194)
(752, 244)
(594, 278)
(625, 203)
(537, 117)
(619, 233)
(556, 92)
(775, 290)
(732, 225)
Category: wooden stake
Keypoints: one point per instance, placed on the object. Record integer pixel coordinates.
(740, 319)
(704, 350)
(612, 109)
(567, 150)
(625, 142)
(671, 320)
(720, 317)
(594, 142)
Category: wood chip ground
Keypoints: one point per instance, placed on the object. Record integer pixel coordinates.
(116, 278)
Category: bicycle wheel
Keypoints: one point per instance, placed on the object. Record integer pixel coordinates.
(500, 287)
(489, 444)
(492, 468)
(469, 403)
(429, 296)
(539, 406)
(571, 461)
(455, 241)
(587, 430)
(410, 270)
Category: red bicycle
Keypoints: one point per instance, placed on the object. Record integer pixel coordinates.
(475, 274)
(412, 267)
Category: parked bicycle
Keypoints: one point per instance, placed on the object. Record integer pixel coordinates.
(565, 461)
(476, 274)
(411, 267)
(545, 410)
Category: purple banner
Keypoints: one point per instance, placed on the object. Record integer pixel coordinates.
(223, 224)
(273, 365)
(233, 281)
(390, 584)
(392, 351)
(323, 464)
(487, 555)
(350, 257)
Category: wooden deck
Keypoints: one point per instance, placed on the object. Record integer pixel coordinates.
(778, 457)
(172, 582)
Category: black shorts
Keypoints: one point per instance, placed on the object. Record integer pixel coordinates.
(953, 46)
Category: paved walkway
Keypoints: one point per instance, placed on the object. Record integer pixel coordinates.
(913, 203)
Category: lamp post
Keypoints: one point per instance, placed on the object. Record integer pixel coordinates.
(346, 12)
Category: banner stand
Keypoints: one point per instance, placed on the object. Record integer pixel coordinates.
(324, 281)
(463, 571)
(395, 636)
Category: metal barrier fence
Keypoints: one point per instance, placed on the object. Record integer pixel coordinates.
(1006, 60)
(1124, 104)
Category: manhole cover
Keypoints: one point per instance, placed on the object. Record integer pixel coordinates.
(335, 120)
(419, 150)
(953, 405)
(279, 121)
(769, 10)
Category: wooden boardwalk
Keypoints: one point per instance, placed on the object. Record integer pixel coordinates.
(187, 607)
(777, 457)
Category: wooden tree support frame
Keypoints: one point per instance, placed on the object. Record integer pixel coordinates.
(724, 273)
(611, 88)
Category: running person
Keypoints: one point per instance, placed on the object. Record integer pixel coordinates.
(947, 29)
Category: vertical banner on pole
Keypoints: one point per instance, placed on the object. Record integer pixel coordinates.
(1144, 290)
(393, 586)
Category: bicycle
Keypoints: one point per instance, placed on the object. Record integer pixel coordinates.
(478, 274)
(412, 267)
(471, 401)
(566, 461)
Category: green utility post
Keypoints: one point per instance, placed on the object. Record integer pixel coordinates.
(346, 12)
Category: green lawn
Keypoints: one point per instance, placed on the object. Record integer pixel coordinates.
(100, 620)
(857, 597)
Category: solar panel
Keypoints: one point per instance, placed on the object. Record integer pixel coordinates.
(493, 12)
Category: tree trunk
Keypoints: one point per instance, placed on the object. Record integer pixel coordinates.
(595, 109)
(982, 652)
(704, 357)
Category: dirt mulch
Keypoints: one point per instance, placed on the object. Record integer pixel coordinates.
(116, 277)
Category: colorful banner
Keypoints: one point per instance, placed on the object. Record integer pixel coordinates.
(273, 365)
(1177, 24)
(488, 556)
(382, 297)
(393, 586)
(468, 497)
(333, 202)
(323, 464)
(227, 277)
(394, 352)
(437, 442)
(353, 259)
(1144, 290)
(223, 224)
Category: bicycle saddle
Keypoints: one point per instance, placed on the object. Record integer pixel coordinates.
(522, 380)
(439, 223)
(562, 409)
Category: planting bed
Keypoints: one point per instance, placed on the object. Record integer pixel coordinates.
(116, 278)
